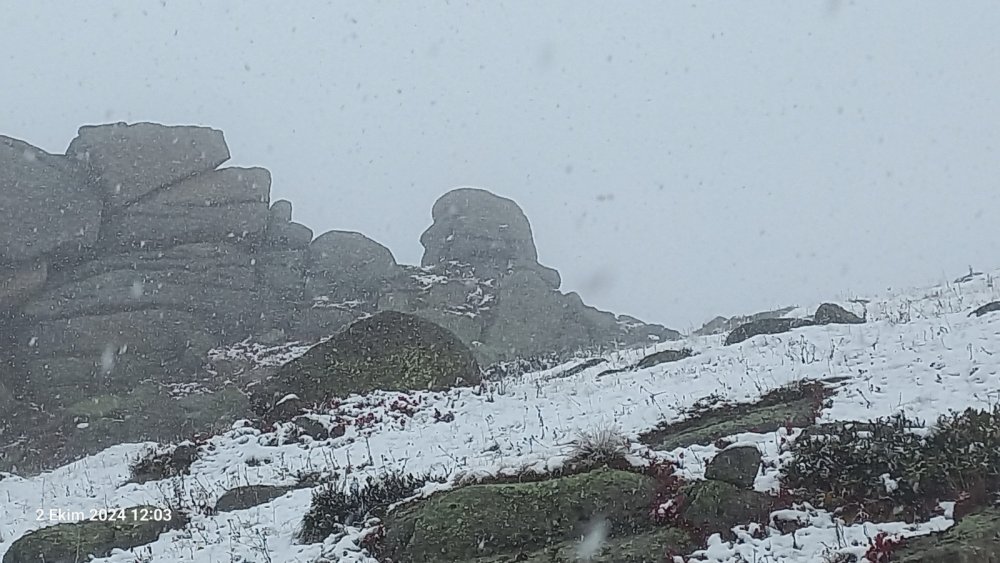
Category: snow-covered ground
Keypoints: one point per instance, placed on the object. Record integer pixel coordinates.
(920, 353)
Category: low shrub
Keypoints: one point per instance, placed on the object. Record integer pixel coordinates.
(891, 461)
(339, 503)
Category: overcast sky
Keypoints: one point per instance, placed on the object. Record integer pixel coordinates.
(677, 160)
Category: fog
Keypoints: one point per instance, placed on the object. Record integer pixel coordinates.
(676, 160)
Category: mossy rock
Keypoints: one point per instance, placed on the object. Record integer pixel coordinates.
(716, 507)
(764, 326)
(794, 405)
(645, 547)
(664, 356)
(390, 351)
(249, 496)
(493, 520)
(74, 541)
(974, 539)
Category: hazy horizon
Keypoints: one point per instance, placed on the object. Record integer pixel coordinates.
(676, 162)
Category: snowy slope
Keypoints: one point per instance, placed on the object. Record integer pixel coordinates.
(920, 353)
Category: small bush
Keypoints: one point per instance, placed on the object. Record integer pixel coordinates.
(885, 460)
(158, 464)
(603, 445)
(337, 503)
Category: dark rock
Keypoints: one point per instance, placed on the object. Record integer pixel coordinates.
(312, 427)
(719, 325)
(520, 517)
(157, 466)
(242, 498)
(764, 326)
(131, 161)
(76, 541)
(987, 308)
(717, 507)
(663, 357)
(227, 205)
(737, 465)
(46, 204)
(583, 366)
(829, 313)
(390, 351)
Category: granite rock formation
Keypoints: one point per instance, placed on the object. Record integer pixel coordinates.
(124, 261)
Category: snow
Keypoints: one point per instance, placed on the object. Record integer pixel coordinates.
(920, 354)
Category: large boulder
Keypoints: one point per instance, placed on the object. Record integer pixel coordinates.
(738, 465)
(74, 541)
(520, 518)
(131, 161)
(831, 313)
(389, 351)
(492, 233)
(227, 205)
(46, 204)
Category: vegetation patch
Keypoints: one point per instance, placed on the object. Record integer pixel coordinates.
(796, 405)
(159, 464)
(338, 503)
(893, 468)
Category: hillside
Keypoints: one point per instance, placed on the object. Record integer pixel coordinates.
(920, 353)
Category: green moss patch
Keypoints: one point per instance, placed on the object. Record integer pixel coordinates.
(795, 405)
(974, 539)
(75, 541)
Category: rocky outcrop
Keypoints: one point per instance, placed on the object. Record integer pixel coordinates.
(47, 205)
(130, 161)
(737, 465)
(124, 261)
(491, 233)
(987, 308)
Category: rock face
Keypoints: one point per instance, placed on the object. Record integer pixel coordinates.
(131, 161)
(125, 261)
(388, 351)
(47, 205)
